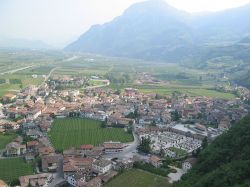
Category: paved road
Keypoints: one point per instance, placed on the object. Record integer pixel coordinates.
(98, 86)
(175, 176)
(128, 151)
(58, 176)
(16, 70)
(48, 76)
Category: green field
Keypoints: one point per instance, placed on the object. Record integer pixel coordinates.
(66, 133)
(11, 169)
(168, 90)
(179, 152)
(138, 178)
(173, 77)
(17, 81)
(5, 139)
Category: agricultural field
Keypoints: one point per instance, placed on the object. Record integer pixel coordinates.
(168, 90)
(16, 68)
(66, 133)
(121, 72)
(5, 139)
(14, 82)
(191, 91)
(12, 168)
(138, 178)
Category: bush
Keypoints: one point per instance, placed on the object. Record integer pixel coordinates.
(150, 168)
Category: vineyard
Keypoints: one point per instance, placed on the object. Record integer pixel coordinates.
(11, 169)
(66, 133)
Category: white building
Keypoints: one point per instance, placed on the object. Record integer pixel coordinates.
(102, 166)
(74, 179)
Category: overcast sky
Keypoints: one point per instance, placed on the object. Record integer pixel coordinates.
(58, 22)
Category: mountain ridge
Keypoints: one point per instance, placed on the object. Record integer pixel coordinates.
(154, 30)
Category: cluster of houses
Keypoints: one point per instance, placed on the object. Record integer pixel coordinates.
(123, 109)
(166, 140)
(85, 166)
(31, 113)
(66, 82)
(81, 167)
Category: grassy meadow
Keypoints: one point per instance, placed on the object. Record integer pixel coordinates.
(138, 178)
(12, 168)
(66, 133)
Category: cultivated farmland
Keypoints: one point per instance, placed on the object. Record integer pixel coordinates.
(138, 178)
(11, 169)
(66, 133)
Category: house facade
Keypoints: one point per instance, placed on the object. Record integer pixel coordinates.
(102, 166)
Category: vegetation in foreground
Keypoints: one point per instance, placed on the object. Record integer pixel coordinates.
(225, 162)
(12, 168)
(5, 139)
(162, 171)
(66, 133)
(138, 178)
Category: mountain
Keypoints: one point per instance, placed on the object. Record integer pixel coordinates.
(146, 29)
(224, 26)
(225, 162)
(154, 30)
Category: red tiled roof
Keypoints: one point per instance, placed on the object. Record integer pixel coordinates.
(154, 159)
(113, 145)
(32, 143)
(86, 146)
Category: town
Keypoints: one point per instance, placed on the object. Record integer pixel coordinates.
(162, 128)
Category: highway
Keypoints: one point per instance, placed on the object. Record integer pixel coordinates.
(16, 70)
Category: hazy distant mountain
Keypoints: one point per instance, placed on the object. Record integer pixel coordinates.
(228, 25)
(145, 29)
(23, 44)
(155, 30)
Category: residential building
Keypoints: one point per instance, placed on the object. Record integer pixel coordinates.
(113, 147)
(155, 161)
(50, 163)
(102, 166)
(34, 180)
(15, 149)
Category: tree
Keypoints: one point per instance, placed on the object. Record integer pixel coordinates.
(117, 92)
(153, 123)
(144, 146)
(133, 115)
(204, 143)
(104, 124)
(157, 97)
(166, 162)
(129, 130)
(162, 152)
(21, 86)
(175, 115)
